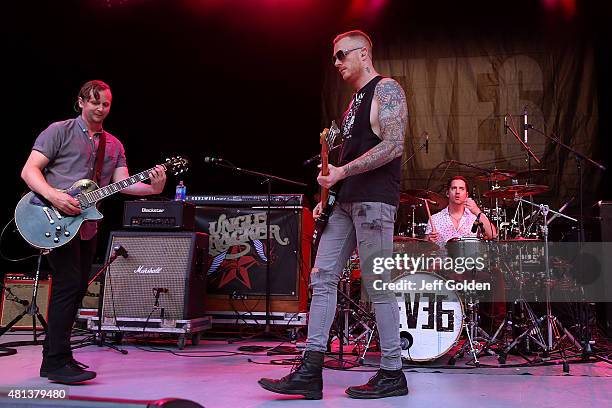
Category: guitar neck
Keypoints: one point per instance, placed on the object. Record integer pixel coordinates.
(324, 172)
(103, 192)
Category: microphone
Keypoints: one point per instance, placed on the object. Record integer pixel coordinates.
(312, 159)
(426, 143)
(475, 226)
(209, 159)
(160, 290)
(20, 301)
(505, 124)
(526, 124)
(120, 251)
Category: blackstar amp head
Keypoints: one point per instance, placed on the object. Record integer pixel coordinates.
(159, 215)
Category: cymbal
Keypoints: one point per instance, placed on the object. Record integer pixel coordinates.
(417, 196)
(402, 244)
(520, 190)
(497, 175)
(534, 172)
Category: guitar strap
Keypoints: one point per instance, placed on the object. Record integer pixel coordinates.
(100, 157)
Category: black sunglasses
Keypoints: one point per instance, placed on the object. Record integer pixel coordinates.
(340, 55)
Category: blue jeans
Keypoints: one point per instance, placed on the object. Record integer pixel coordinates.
(369, 226)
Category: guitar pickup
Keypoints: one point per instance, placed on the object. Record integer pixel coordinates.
(48, 214)
(57, 213)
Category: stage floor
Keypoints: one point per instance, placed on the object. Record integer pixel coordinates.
(216, 374)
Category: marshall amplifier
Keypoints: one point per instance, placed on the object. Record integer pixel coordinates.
(162, 276)
(159, 215)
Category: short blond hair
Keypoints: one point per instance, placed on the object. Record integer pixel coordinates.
(355, 34)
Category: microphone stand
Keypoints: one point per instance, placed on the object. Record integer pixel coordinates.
(32, 308)
(579, 159)
(98, 339)
(267, 179)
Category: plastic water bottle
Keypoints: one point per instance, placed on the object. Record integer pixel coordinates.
(181, 192)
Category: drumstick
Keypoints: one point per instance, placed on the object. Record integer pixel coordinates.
(433, 228)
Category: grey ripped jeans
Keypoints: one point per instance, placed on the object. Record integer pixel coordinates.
(368, 225)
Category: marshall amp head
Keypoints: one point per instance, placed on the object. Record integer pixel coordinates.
(159, 215)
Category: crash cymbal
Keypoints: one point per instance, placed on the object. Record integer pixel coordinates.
(520, 190)
(416, 196)
(534, 172)
(497, 175)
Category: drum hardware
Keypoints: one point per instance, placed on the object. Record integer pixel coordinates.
(553, 325)
(352, 322)
(435, 201)
(496, 175)
(520, 190)
(475, 335)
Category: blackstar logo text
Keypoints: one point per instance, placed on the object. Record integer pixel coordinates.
(152, 210)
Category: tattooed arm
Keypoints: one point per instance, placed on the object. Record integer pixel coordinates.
(389, 118)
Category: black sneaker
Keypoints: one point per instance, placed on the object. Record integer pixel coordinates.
(70, 374)
(44, 372)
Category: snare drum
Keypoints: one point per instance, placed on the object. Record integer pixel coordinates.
(431, 317)
(467, 247)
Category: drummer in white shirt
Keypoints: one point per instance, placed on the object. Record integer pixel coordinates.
(457, 219)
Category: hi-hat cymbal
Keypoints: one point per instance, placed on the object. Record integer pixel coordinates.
(534, 172)
(497, 175)
(520, 190)
(417, 196)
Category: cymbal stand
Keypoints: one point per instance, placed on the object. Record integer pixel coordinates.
(526, 318)
(553, 325)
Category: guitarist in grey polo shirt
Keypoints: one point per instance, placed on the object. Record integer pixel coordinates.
(63, 153)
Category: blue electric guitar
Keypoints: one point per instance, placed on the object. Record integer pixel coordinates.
(44, 226)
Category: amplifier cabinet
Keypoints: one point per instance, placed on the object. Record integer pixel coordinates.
(17, 289)
(237, 259)
(163, 276)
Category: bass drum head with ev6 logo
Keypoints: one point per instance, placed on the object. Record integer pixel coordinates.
(431, 316)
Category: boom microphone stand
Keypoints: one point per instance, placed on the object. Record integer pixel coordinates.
(267, 179)
(580, 158)
(98, 339)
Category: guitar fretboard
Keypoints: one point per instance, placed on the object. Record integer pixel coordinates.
(103, 192)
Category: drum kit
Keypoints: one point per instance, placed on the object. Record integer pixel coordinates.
(435, 314)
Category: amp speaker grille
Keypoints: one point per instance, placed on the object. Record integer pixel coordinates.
(167, 260)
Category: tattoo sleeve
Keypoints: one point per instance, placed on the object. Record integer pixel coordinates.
(392, 118)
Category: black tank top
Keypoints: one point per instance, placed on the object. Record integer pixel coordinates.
(378, 185)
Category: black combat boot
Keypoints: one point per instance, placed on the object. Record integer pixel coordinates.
(386, 383)
(306, 379)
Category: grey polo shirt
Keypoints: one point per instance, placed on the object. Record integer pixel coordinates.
(72, 156)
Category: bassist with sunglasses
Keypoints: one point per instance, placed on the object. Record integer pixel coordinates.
(363, 216)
